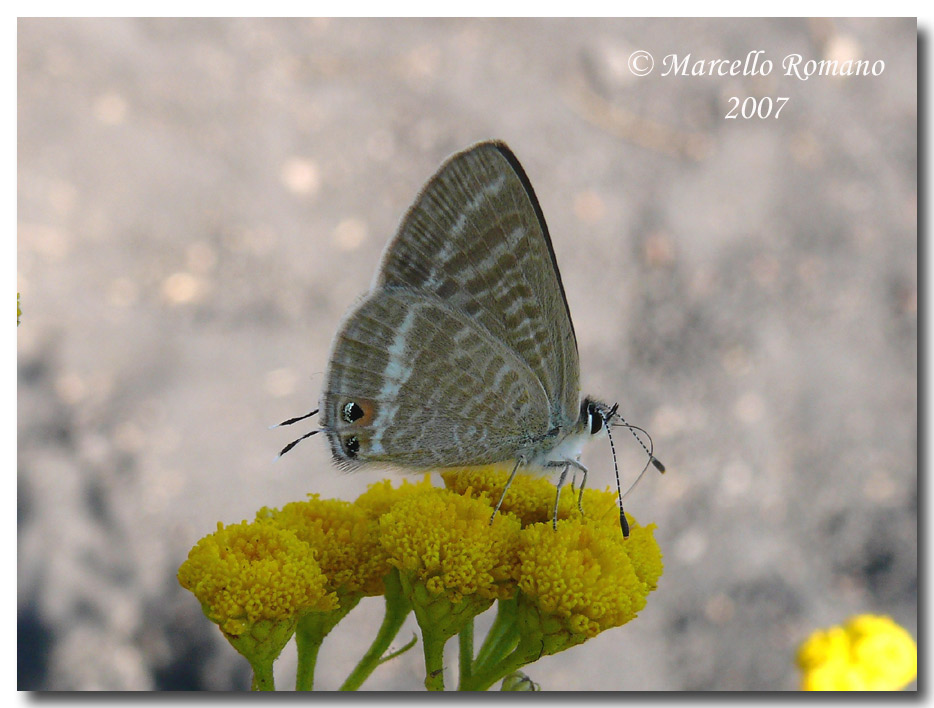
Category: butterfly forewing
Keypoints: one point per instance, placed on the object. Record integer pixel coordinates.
(403, 382)
(476, 239)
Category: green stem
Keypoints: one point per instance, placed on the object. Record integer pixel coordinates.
(503, 643)
(399, 652)
(525, 653)
(308, 647)
(310, 633)
(398, 608)
(433, 644)
(465, 644)
(262, 676)
(502, 637)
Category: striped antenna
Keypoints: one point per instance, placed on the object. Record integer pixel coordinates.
(648, 450)
(623, 522)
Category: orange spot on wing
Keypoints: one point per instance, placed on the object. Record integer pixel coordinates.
(369, 411)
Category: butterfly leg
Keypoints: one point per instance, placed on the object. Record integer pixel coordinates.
(503, 495)
(564, 474)
(580, 493)
(573, 480)
(577, 466)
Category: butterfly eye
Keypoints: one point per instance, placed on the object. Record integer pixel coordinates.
(596, 419)
(352, 412)
(352, 446)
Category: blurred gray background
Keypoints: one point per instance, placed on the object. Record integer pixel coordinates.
(199, 201)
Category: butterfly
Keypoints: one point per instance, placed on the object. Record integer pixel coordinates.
(464, 352)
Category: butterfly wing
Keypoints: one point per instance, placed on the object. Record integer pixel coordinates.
(414, 382)
(476, 239)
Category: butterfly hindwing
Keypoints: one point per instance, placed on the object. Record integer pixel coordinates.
(416, 383)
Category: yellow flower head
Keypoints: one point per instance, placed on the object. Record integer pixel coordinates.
(868, 653)
(345, 540)
(530, 497)
(446, 541)
(583, 578)
(380, 496)
(248, 573)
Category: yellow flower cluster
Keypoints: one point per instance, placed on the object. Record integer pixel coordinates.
(447, 542)
(868, 653)
(530, 498)
(246, 573)
(381, 496)
(439, 551)
(585, 576)
(345, 539)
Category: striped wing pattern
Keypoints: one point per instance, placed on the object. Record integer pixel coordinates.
(416, 365)
(476, 238)
(463, 352)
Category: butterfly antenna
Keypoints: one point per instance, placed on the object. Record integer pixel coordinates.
(293, 420)
(623, 522)
(632, 429)
(652, 459)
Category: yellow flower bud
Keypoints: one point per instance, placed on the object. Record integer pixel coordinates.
(868, 653)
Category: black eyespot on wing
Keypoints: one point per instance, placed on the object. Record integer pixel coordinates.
(352, 446)
(352, 411)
